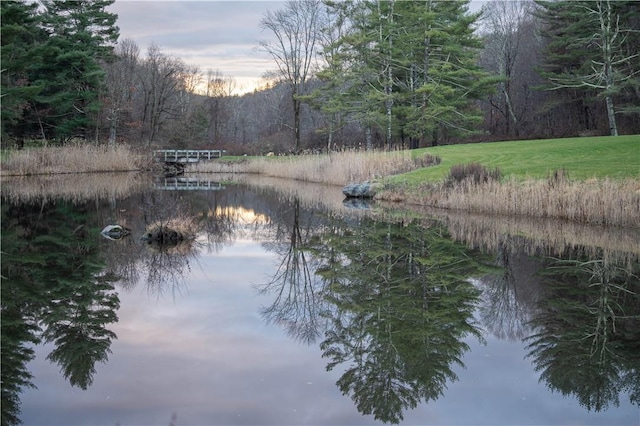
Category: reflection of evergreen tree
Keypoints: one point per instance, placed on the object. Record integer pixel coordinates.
(76, 323)
(17, 332)
(404, 307)
(395, 298)
(588, 340)
(50, 281)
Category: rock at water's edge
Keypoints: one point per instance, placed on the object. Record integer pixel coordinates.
(361, 190)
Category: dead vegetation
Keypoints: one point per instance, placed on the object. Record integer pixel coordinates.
(595, 202)
(334, 169)
(80, 158)
(176, 234)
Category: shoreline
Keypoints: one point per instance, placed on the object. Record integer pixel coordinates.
(609, 202)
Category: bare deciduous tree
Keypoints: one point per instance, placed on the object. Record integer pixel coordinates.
(506, 23)
(120, 76)
(161, 84)
(219, 89)
(297, 30)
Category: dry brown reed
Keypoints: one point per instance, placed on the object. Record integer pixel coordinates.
(81, 158)
(177, 235)
(75, 188)
(185, 227)
(596, 202)
(536, 236)
(333, 169)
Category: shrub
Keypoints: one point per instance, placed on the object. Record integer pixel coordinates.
(171, 233)
(558, 178)
(475, 173)
(427, 160)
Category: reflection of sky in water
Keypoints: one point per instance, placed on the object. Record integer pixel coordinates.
(207, 356)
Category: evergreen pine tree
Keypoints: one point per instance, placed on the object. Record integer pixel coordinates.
(593, 52)
(409, 68)
(81, 35)
(19, 36)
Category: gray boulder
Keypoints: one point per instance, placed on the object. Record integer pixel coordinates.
(361, 190)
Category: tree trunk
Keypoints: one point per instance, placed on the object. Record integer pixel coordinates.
(388, 87)
(113, 128)
(613, 127)
(296, 121)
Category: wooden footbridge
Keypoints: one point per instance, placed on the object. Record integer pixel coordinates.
(186, 156)
(175, 160)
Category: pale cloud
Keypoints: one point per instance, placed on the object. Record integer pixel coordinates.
(212, 35)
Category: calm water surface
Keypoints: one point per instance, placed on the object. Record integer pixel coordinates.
(290, 308)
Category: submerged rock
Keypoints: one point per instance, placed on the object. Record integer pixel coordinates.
(115, 232)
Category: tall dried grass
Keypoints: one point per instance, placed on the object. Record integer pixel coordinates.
(334, 169)
(175, 235)
(74, 188)
(535, 236)
(81, 158)
(597, 202)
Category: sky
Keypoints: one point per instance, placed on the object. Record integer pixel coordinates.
(211, 34)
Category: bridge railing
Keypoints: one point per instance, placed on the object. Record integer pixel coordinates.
(186, 155)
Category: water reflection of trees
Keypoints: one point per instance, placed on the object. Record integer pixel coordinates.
(161, 267)
(389, 299)
(396, 302)
(53, 290)
(296, 289)
(510, 293)
(587, 339)
(395, 306)
(404, 307)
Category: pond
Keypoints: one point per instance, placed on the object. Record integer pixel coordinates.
(291, 307)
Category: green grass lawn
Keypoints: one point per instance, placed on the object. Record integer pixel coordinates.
(582, 158)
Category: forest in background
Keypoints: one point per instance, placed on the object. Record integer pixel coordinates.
(348, 74)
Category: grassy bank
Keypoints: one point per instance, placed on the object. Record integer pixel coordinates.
(592, 180)
(581, 158)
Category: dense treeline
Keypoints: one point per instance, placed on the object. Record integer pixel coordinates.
(358, 73)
